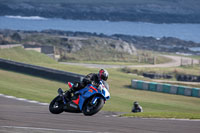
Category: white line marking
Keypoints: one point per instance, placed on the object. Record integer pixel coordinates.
(25, 100)
(49, 129)
(46, 129)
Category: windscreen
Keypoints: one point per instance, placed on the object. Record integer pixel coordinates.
(106, 85)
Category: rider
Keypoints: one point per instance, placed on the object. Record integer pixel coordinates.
(136, 107)
(91, 78)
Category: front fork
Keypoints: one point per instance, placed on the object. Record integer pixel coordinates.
(94, 99)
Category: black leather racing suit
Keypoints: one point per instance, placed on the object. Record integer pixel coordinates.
(91, 78)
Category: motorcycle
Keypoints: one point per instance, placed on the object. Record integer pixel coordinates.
(88, 100)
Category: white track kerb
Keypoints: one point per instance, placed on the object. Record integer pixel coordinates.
(22, 99)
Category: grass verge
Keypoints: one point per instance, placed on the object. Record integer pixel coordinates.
(21, 55)
(176, 115)
(29, 87)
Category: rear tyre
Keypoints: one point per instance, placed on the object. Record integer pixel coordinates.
(56, 105)
(91, 109)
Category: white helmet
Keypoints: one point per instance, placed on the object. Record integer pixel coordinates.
(103, 74)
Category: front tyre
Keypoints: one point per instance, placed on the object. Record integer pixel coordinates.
(91, 109)
(56, 105)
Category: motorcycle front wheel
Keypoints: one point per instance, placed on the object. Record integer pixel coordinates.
(56, 105)
(91, 109)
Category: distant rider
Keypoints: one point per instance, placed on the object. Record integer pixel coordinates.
(91, 78)
(136, 107)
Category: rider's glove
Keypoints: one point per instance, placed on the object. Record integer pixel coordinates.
(76, 84)
(95, 84)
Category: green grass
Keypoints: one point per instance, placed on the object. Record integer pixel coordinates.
(122, 96)
(21, 55)
(190, 70)
(108, 62)
(164, 115)
(112, 57)
(25, 86)
(195, 57)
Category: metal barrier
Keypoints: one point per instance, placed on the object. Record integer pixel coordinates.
(48, 73)
(165, 88)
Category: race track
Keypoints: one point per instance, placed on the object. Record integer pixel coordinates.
(23, 117)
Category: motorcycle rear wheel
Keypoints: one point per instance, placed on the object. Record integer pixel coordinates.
(56, 105)
(89, 109)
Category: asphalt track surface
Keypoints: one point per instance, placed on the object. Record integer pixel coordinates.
(23, 117)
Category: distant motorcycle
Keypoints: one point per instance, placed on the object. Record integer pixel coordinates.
(88, 100)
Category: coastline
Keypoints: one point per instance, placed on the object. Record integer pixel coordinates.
(188, 32)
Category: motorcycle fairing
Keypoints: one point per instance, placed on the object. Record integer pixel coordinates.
(77, 100)
(106, 94)
(87, 92)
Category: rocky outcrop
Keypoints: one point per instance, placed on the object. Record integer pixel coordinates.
(97, 43)
(71, 43)
(75, 41)
(164, 44)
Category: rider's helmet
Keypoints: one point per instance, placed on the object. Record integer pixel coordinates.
(136, 104)
(103, 74)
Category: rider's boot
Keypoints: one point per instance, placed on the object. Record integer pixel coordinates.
(68, 94)
(71, 91)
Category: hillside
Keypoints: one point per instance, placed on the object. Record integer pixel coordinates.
(21, 55)
(156, 11)
(73, 47)
(117, 45)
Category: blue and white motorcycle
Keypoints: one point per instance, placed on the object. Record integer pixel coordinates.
(88, 100)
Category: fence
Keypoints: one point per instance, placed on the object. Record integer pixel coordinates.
(48, 73)
(165, 88)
